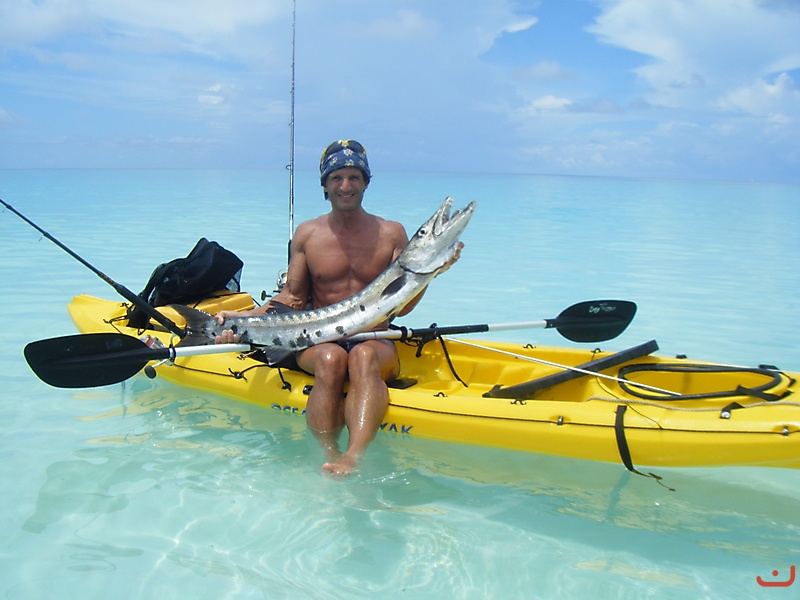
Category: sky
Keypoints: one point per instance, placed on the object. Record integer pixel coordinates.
(676, 89)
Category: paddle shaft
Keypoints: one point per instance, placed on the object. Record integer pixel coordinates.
(120, 289)
(168, 353)
(396, 334)
(145, 354)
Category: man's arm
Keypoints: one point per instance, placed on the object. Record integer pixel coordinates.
(295, 291)
(402, 242)
(410, 306)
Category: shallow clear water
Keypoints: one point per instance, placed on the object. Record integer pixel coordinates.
(150, 490)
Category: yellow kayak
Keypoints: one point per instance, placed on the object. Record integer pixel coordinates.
(638, 408)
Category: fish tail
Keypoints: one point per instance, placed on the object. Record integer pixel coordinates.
(199, 325)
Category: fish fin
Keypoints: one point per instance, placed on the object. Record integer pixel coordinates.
(274, 355)
(194, 339)
(277, 308)
(198, 323)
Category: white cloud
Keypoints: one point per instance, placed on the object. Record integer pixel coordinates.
(6, 118)
(545, 104)
(33, 21)
(669, 127)
(601, 151)
(778, 99)
(205, 27)
(211, 99)
(544, 70)
(28, 21)
(550, 105)
(72, 61)
(523, 25)
(597, 106)
(403, 25)
(190, 18)
(703, 50)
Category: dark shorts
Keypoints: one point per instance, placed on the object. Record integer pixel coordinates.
(348, 345)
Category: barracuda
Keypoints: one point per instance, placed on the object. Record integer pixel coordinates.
(282, 331)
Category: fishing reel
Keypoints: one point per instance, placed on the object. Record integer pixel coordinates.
(280, 282)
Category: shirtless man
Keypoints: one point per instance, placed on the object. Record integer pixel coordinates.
(332, 258)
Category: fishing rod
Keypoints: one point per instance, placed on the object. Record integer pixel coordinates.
(291, 131)
(283, 277)
(120, 289)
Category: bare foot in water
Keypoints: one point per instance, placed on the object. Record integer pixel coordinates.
(342, 467)
(332, 453)
(329, 443)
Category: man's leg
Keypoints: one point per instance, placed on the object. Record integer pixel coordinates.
(370, 365)
(325, 407)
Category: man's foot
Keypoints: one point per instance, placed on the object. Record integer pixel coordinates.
(329, 443)
(342, 467)
(332, 453)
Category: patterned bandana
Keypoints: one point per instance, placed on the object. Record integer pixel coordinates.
(341, 154)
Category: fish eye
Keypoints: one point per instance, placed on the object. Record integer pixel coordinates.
(422, 231)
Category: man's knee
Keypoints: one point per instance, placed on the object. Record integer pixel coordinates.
(329, 360)
(372, 358)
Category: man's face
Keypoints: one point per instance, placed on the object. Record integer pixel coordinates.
(345, 188)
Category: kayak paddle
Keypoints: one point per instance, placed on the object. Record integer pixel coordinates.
(590, 321)
(96, 359)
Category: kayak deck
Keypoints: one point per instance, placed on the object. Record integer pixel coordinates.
(671, 415)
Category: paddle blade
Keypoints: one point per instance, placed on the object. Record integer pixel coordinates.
(88, 360)
(594, 320)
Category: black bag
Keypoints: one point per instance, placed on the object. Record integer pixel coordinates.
(208, 268)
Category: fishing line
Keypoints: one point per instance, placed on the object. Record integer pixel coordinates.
(119, 288)
(291, 129)
(24, 246)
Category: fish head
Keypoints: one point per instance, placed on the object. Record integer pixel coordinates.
(435, 242)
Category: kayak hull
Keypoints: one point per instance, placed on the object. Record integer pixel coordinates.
(579, 418)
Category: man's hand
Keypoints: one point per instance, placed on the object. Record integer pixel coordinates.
(452, 261)
(227, 336)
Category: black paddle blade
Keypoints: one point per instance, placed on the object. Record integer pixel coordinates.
(88, 360)
(594, 320)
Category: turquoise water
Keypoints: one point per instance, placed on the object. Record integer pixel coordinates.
(146, 490)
